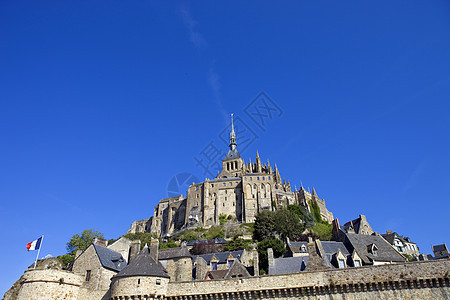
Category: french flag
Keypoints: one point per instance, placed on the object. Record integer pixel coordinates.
(34, 245)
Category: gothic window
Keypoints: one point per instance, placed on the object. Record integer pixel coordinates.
(262, 186)
(255, 187)
(212, 185)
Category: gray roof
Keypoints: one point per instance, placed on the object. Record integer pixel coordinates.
(331, 247)
(287, 265)
(232, 154)
(442, 247)
(296, 247)
(385, 251)
(143, 265)
(225, 179)
(216, 241)
(164, 254)
(110, 259)
(222, 256)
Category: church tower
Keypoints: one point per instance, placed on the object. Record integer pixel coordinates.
(232, 165)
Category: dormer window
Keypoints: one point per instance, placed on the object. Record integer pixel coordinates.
(372, 249)
(214, 265)
(341, 264)
(357, 263)
(303, 248)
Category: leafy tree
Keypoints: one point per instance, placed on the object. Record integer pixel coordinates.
(144, 237)
(315, 209)
(278, 248)
(66, 259)
(304, 215)
(238, 244)
(81, 242)
(169, 244)
(288, 224)
(323, 231)
(264, 226)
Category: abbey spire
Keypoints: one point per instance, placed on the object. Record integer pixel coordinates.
(232, 135)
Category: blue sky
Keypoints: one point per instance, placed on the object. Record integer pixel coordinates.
(103, 103)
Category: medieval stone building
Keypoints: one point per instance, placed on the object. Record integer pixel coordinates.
(241, 191)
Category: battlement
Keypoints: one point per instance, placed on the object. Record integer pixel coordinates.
(418, 280)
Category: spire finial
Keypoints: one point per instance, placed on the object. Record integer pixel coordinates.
(232, 135)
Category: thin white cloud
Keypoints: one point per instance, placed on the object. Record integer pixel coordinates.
(191, 24)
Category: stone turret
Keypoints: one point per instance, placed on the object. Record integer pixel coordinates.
(143, 277)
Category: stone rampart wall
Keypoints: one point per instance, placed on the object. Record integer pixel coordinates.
(50, 284)
(418, 280)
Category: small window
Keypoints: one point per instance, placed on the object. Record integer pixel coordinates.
(269, 177)
(341, 264)
(212, 185)
(257, 178)
(357, 263)
(251, 178)
(225, 198)
(158, 281)
(139, 281)
(88, 275)
(263, 178)
(196, 188)
(231, 184)
(230, 263)
(265, 195)
(214, 265)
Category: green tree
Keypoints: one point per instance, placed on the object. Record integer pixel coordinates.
(278, 248)
(238, 244)
(323, 231)
(264, 227)
(288, 224)
(304, 215)
(81, 242)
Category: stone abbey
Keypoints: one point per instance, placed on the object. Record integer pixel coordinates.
(241, 191)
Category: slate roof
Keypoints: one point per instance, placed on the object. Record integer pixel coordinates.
(385, 251)
(110, 259)
(216, 241)
(287, 265)
(442, 247)
(331, 247)
(232, 154)
(222, 256)
(164, 254)
(143, 265)
(225, 179)
(296, 247)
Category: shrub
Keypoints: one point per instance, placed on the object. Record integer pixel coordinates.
(278, 248)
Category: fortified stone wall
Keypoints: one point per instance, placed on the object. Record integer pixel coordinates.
(418, 280)
(50, 284)
(138, 286)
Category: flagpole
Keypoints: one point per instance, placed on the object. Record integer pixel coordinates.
(39, 250)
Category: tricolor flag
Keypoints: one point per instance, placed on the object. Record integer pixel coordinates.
(34, 245)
